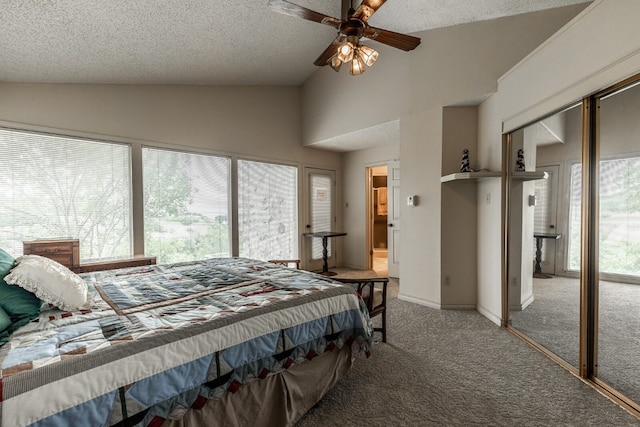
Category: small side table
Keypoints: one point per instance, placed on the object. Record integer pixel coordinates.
(537, 272)
(373, 290)
(324, 235)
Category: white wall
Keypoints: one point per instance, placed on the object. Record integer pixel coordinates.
(451, 65)
(458, 211)
(257, 121)
(354, 203)
(599, 47)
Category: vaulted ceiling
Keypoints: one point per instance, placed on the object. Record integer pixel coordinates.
(216, 42)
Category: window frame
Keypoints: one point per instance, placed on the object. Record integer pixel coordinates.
(84, 138)
(136, 179)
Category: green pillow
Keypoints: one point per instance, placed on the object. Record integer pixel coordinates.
(5, 320)
(20, 305)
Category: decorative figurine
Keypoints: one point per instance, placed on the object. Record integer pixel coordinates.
(464, 167)
(520, 160)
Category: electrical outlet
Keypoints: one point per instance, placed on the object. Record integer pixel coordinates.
(447, 280)
(514, 281)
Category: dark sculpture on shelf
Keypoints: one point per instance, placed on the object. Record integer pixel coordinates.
(464, 167)
(520, 161)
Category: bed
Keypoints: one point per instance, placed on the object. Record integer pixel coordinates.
(228, 341)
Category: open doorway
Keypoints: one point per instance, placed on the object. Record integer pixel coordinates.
(377, 211)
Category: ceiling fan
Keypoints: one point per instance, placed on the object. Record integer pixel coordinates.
(351, 28)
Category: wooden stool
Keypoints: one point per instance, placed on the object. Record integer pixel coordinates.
(286, 262)
(374, 293)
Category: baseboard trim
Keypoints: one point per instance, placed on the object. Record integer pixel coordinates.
(418, 301)
(520, 307)
(489, 315)
(458, 306)
(486, 313)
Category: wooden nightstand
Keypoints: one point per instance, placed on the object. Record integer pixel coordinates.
(67, 253)
(64, 251)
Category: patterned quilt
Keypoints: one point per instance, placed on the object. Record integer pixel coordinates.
(160, 339)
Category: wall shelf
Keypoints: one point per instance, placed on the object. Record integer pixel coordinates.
(529, 176)
(520, 176)
(460, 176)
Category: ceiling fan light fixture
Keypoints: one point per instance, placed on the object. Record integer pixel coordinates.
(335, 63)
(345, 52)
(353, 26)
(357, 66)
(367, 54)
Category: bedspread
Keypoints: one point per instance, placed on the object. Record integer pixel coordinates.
(161, 339)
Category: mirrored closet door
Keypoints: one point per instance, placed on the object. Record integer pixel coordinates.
(618, 348)
(572, 238)
(544, 232)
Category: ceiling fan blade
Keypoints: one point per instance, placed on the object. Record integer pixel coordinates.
(393, 39)
(288, 8)
(325, 56)
(367, 8)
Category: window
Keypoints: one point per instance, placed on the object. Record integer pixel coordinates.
(58, 187)
(321, 211)
(186, 205)
(619, 216)
(267, 210)
(65, 187)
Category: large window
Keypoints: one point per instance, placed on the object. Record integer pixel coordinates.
(267, 210)
(186, 205)
(57, 187)
(619, 216)
(64, 187)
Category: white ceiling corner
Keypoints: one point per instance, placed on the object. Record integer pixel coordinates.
(375, 136)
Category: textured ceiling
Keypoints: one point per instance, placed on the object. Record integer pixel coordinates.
(218, 42)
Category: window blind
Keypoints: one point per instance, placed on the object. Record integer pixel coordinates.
(65, 187)
(619, 216)
(321, 198)
(267, 210)
(186, 205)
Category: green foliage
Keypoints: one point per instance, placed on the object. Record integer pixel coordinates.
(175, 229)
(167, 188)
(211, 244)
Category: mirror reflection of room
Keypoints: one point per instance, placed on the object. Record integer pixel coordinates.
(619, 243)
(545, 234)
(544, 305)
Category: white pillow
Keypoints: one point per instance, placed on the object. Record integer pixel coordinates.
(50, 281)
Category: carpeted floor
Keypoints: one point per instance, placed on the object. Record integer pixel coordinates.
(456, 368)
(553, 321)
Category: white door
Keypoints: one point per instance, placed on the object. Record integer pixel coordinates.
(320, 216)
(393, 217)
(545, 214)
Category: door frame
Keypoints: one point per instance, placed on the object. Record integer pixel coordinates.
(552, 261)
(369, 206)
(393, 218)
(306, 252)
